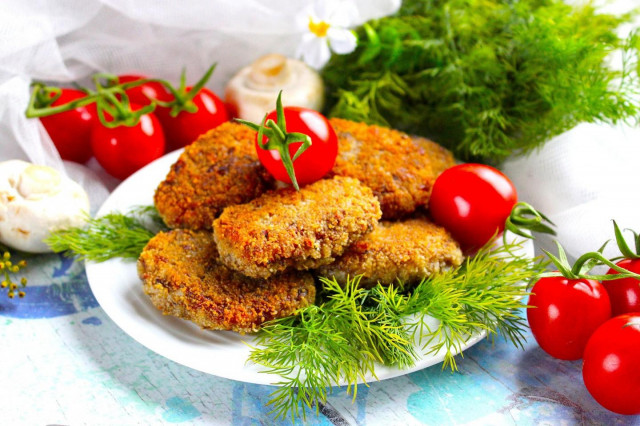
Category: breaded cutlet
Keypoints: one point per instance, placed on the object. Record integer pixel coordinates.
(219, 169)
(408, 250)
(183, 276)
(295, 229)
(400, 169)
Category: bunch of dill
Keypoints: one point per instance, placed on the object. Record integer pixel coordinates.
(350, 330)
(487, 78)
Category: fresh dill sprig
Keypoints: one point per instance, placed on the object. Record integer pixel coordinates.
(339, 339)
(487, 78)
(345, 336)
(112, 235)
(484, 294)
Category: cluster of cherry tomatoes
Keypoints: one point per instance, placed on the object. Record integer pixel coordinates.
(571, 317)
(168, 119)
(578, 317)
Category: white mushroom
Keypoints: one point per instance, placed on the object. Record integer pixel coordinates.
(253, 91)
(36, 200)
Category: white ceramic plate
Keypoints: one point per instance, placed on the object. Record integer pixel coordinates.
(118, 289)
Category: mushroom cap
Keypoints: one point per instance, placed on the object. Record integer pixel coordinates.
(36, 200)
(252, 92)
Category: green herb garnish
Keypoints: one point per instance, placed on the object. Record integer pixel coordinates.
(345, 335)
(351, 329)
(487, 78)
(112, 235)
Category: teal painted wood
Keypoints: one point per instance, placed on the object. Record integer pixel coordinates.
(65, 362)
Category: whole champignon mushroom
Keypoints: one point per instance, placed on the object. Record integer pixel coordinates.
(36, 200)
(253, 91)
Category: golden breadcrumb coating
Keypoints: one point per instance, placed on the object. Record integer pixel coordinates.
(219, 169)
(183, 276)
(407, 250)
(400, 169)
(295, 229)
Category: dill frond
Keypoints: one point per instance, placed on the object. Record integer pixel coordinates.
(112, 235)
(354, 329)
(487, 78)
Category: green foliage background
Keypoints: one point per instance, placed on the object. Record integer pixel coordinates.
(487, 78)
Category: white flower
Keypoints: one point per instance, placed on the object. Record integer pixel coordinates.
(326, 24)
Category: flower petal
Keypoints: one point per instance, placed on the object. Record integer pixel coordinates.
(322, 9)
(315, 52)
(303, 17)
(342, 41)
(308, 42)
(342, 14)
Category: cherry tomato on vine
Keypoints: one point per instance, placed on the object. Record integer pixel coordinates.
(317, 160)
(564, 314)
(611, 368)
(473, 202)
(185, 127)
(122, 150)
(625, 292)
(70, 131)
(145, 93)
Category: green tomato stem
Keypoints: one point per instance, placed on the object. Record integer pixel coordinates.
(41, 99)
(280, 134)
(112, 98)
(287, 162)
(585, 263)
(626, 251)
(183, 100)
(525, 217)
(279, 139)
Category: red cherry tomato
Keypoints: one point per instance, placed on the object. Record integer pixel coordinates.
(611, 368)
(317, 160)
(70, 131)
(472, 201)
(185, 128)
(565, 313)
(625, 292)
(145, 93)
(122, 150)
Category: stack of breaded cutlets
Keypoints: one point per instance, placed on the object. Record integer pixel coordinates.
(243, 251)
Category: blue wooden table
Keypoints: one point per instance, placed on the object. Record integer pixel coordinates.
(65, 362)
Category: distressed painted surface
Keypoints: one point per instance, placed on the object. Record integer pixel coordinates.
(65, 362)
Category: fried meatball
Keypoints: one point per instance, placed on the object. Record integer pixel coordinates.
(183, 276)
(295, 229)
(400, 169)
(219, 169)
(407, 250)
